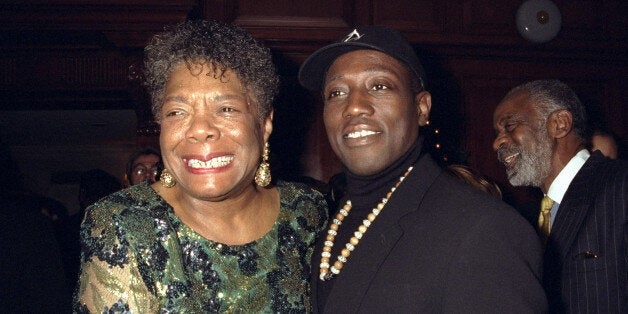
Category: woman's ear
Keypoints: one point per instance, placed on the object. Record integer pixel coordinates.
(560, 123)
(268, 125)
(423, 102)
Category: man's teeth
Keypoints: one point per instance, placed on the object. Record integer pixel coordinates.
(510, 158)
(362, 133)
(212, 163)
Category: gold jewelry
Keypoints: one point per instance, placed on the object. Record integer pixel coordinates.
(544, 217)
(167, 179)
(326, 272)
(262, 175)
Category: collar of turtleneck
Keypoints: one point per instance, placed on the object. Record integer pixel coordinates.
(365, 191)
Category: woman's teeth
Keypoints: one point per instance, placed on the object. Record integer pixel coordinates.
(212, 163)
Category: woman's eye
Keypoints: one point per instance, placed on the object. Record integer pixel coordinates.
(227, 109)
(174, 113)
(510, 127)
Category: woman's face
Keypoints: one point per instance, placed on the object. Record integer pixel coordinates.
(211, 133)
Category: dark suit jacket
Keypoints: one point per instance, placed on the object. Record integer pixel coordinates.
(587, 252)
(440, 245)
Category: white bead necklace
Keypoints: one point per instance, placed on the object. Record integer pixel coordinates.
(327, 272)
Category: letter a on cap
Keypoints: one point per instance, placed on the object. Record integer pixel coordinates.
(353, 36)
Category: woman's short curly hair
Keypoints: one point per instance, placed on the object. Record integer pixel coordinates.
(224, 47)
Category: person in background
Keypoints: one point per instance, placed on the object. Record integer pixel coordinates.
(215, 234)
(605, 143)
(143, 165)
(476, 179)
(408, 237)
(541, 129)
(32, 277)
(94, 184)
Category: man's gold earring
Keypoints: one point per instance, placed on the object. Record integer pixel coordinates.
(262, 176)
(167, 179)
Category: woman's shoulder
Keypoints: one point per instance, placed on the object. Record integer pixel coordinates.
(304, 201)
(290, 191)
(130, 218)
(137, 197)
(138, 205)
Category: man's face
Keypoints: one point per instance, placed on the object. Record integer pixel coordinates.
(144, 169)
(604, 143)
(522, 142)
(371, 115)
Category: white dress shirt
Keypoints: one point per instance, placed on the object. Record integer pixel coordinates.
(561, 183)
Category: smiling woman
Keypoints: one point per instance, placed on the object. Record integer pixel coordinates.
(213, 235)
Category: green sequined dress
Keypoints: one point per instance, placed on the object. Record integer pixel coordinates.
(138, 256)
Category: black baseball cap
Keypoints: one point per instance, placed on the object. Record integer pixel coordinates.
(389, 41)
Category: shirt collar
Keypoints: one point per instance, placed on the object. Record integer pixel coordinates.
(559, 186)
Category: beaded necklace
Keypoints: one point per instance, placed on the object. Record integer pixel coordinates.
(327, 272)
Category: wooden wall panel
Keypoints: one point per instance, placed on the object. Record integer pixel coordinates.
(427, 16)
(305, 14)
(63, 54)
(125, 22)
(289, 22)
(492, 17)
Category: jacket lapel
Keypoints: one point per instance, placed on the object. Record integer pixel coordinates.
(573, 210)
(355, 278)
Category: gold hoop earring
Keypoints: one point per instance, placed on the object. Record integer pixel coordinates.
(262, 175)
(167, 179)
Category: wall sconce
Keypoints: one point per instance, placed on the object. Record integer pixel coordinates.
(538, 21)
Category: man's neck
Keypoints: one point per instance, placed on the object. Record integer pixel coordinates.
(564, 151)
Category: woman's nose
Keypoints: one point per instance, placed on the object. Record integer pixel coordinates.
(202, 128)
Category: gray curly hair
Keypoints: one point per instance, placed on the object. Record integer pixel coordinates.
(224, 47)
(551, 95)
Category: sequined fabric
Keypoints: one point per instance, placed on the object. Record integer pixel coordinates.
(137, 256)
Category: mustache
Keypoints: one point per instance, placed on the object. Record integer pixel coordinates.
(507, 151)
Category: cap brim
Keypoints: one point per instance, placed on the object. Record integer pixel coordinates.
(312, 72)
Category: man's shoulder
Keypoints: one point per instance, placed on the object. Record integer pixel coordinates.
(600, 162)
(463, 193)
(459, 199)
(600, 170)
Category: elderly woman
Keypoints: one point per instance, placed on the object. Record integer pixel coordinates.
(212, 235)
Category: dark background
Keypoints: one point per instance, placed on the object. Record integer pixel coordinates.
(71, 100)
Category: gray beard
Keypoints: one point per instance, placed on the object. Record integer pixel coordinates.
(532, 167)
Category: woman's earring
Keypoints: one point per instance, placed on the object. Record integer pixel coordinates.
(166, 179)
(262, 176)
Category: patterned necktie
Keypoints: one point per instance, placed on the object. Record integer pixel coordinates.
(544, 217)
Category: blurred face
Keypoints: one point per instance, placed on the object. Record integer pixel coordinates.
(522, 143)
(144, 169)
(604, 143)
(371, 115)
(211, 133)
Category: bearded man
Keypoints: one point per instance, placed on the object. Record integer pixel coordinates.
(541, 129)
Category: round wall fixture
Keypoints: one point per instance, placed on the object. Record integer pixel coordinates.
(538, 20)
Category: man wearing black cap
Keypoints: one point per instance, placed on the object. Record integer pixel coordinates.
(408, 237)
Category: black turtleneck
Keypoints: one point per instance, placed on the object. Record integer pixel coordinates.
(364, 192)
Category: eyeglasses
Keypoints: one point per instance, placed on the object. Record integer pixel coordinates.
(140, 171)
